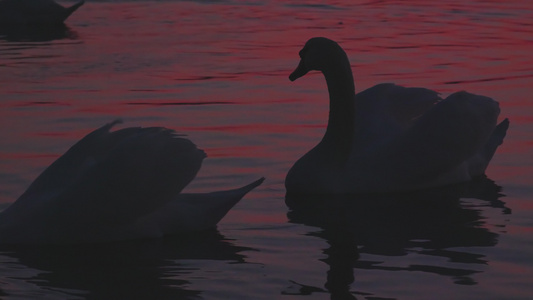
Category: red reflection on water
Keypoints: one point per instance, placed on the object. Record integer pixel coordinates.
(203, 68)
(218, 72)
(242, 151)
(43, 103)
(8, 156)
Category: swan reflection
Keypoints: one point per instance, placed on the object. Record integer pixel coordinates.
(150, 269)
(434, 222)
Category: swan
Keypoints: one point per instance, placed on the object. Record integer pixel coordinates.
(34, 12)
(114, 186)
(390, 138)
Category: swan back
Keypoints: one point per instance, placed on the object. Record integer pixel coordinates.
(386, 110)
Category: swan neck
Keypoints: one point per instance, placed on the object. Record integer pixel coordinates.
(340, 82)
(340, 129)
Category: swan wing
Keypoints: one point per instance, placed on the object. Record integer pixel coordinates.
(386, 110)
(68, 167)
(145, 170)
(447, 135)
(401, 103)
(113, 177)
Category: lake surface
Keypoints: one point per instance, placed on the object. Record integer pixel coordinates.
(218, 72)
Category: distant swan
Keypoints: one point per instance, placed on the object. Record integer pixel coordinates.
(114, 186)
(390, 138)
(35, 12)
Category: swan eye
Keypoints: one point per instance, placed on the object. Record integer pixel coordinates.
(302, 52)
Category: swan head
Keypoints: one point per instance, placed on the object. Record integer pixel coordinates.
(320, 54)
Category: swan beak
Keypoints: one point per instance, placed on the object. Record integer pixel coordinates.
(300, 71)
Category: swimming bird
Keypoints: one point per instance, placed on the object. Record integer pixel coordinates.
(35, 12)
(390, 138)
(113, 186)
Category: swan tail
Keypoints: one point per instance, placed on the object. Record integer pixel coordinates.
(71, 9)
(479, 162)
(198, 212)
(247, 188)
(499, 132)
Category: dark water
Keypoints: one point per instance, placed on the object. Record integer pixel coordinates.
(217, 71)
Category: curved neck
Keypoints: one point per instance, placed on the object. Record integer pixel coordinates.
(340, 130)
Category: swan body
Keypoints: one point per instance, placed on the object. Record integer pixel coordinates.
(35, 12)
(390, 138)
(113, 186)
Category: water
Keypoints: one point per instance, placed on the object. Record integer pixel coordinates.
(217, 71)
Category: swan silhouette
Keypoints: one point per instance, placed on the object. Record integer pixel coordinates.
(35, 12)
(113, 186)
(390, 138)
